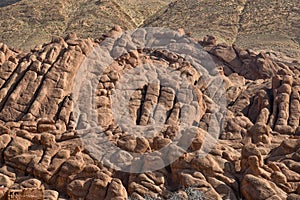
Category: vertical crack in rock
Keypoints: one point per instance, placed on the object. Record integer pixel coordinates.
(255, 157)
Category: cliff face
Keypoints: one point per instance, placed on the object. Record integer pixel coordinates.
(269, 25)
(43, 145)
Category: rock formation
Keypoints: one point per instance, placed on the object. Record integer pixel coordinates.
(256, 156)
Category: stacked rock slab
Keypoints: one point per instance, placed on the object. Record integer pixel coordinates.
(256, 156)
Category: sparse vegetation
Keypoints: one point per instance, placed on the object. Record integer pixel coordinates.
(246, 23)
(192, 193)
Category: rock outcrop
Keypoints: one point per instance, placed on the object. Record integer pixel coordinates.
(256, 155)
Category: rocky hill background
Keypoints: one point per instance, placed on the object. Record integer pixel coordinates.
(259, 24)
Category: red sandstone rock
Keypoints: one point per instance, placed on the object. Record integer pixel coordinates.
(256, 155)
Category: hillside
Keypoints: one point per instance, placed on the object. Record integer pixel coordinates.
(250, 24)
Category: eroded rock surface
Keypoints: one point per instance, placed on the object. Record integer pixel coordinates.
(256, 155)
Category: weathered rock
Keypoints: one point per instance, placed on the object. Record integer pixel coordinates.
(51, 195)
(254, 187)
(98, 187)
(5, 181)
(116, 190)
(256, 155)
(151, 184)
(260, 132)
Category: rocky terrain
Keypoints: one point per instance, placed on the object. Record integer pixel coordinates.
(270, 25)
(43, 156)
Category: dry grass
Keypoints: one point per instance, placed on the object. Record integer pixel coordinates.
(251, 24)
(31, 22)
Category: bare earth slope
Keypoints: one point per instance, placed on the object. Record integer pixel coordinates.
(27, 23)
(256, 156)
(250, 24)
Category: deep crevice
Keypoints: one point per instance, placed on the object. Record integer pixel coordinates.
(60, 107)
(4, 149)
(13, 87)
(169, 113)
(39, 88)
(140, 110)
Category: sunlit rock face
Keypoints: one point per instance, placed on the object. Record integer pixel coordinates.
(44, 139)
